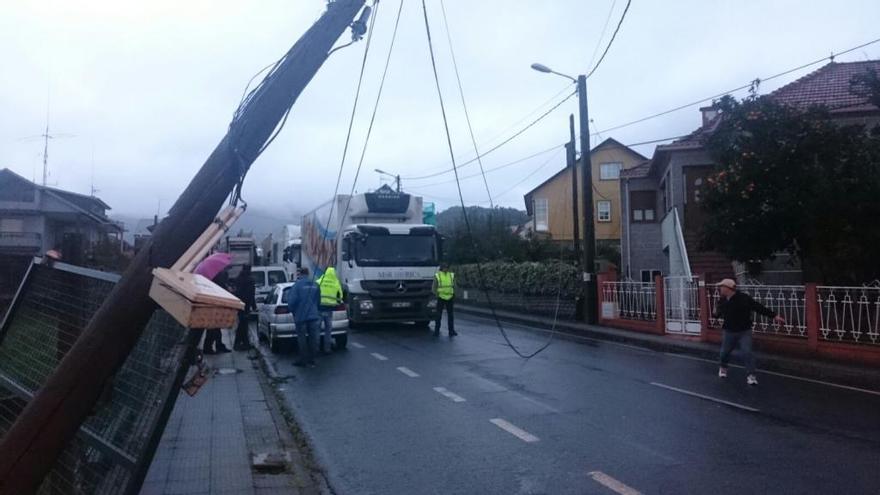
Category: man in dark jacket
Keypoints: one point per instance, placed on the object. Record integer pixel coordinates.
(303, 301)
(246, 291)
(736, 308)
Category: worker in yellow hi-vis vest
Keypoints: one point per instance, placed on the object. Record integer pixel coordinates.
(444, 289)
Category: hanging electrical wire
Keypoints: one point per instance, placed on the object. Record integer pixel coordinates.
(357, 95)
(602, 35)
(375, 110)
(738, 88)
(496, 147)
(611, 41)
(467, 116)
(467, 222)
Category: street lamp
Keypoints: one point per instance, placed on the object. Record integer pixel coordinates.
(393, 176)
(588, 231)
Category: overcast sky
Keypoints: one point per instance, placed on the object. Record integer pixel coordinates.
(147, 88)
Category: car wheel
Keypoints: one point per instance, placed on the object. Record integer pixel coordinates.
(341, 341)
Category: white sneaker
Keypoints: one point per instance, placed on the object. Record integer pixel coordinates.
(752, 380)
(722, 372)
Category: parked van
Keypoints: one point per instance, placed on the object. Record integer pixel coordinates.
(265, 279)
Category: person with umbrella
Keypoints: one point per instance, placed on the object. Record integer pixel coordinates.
(214, 268)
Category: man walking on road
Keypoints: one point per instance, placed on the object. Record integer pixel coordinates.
(331, 297)
(303, 303)
(444, 289)
(736, 309)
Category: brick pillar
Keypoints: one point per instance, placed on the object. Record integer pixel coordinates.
(703, 295)
(811, 306)
(661, 307)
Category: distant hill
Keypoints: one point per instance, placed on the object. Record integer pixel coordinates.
(451, 219)
(260, 222)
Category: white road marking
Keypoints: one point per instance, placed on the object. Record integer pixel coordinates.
(356, 345)
(408, 372)
(514, 430)
(378, 356)
(706, 397)
(450, 395)
(613, 484)
(784, 375)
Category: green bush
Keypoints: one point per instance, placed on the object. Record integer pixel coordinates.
(544, 278)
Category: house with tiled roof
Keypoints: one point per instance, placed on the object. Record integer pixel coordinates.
(661, 198)
(550, 203)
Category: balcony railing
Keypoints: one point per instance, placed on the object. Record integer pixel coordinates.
(21, 239)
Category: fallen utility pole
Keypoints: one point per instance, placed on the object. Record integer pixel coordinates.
(49, 422)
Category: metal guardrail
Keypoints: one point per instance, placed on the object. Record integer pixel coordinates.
(849, 314)
(113, 448)
(631, 300)
(789, 301)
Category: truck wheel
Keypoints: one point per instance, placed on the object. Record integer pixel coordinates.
(341, 341)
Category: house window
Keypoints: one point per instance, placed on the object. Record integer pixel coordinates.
(642, 206)
(610, 171)
(650, 275)
(542, 215)
(603, 211)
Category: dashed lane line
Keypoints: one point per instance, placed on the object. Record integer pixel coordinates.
(449, 395)
(784, 375)
(514, 430)
(379, 356)
(706, 397)
(408, 372)
(613, 484)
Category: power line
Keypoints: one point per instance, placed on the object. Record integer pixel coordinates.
(375, 110)
(739, 88)
(357, 95)
(494, 169)
(464, 208)
(602, 36)
(467, 117)
(613, 37)
(494, 148)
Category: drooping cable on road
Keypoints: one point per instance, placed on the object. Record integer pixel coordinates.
(464, 207)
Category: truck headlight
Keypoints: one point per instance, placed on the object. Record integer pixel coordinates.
(432, 304)
(366, 305)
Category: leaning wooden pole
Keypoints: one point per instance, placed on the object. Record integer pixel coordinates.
(49, 422)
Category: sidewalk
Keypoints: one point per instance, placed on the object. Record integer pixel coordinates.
(850, 375)
(211, 440)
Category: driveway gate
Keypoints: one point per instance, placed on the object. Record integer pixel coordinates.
(682, 301)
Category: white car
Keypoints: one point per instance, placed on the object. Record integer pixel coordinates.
(275, 323)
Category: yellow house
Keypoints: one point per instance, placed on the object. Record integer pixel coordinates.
(550, 204)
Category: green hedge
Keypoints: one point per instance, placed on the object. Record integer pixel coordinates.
(528, 277)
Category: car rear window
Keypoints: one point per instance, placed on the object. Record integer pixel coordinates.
(277, 277)
(259, 278)
(284, 295)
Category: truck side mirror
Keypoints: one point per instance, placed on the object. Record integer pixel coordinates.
(440, 242)
(346, 245)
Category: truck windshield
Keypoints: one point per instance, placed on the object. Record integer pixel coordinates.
(396, 250)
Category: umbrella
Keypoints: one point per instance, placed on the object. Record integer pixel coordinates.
(214, 264)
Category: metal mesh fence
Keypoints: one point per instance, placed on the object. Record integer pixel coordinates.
(113, 448)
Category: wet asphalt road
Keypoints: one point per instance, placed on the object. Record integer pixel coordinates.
(402, 412)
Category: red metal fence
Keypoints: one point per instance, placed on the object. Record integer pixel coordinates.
(837, 323)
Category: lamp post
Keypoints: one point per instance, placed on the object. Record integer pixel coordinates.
(393, 176)
(588, 230)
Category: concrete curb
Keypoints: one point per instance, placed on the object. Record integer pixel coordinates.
(843, 374)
